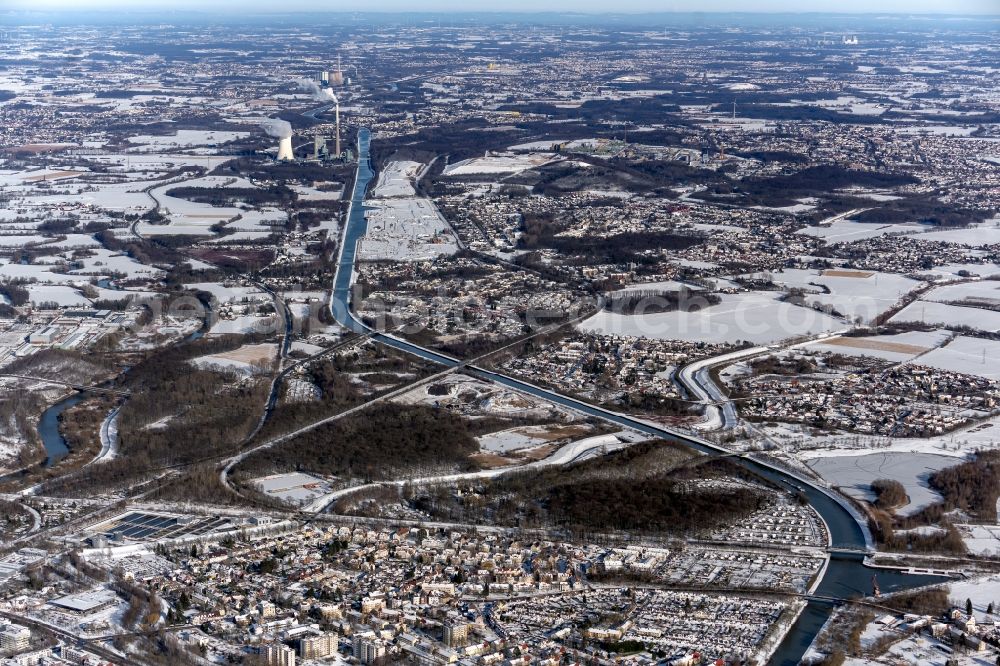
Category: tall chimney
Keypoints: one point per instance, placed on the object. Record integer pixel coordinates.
(338, 128)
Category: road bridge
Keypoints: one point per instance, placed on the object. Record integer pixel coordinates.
(72, 385)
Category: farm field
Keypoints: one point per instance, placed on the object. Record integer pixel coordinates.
(756, 317)
(854, 294)
(928, 312)
(972, 356)
(897, 347)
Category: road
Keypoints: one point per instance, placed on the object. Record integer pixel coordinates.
(109, 437)
(720, 414)
(91, 645)
(696, 379)
(571, 453)
(59, 382)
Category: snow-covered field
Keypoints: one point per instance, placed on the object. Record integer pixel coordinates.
(233, 293)
(194, 218)
(511, 440)
(314, 194)
(981, 540)
(941, 314)
(986, 292)
(846, 231)
(899, 347)
(104, 262)
(396, 180)
(187, 138)
(246, 324)
(988, 233)
(55, 293)
(854, 294)
(405, 229)
(950, 271)
(498, 164)
(176, 208)
(971, 356)
(854, 475)
(33, 272)
(982, 591)
(757, 317)
(248, 359)
(296, 487)
(514, 439)
(72, 241)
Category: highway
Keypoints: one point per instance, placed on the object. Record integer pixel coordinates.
(720, 414)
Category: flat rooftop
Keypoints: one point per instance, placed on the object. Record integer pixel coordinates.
(84, 601)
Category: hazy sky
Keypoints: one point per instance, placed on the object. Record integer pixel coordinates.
(903, 6)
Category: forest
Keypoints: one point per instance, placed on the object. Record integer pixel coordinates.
(783, 190)
(973, 486)
(889, 493)
(652, 487)
(539, 231)
(277, 194)
(925, 209)
(379, 443)
(218, 410)
(649, 301)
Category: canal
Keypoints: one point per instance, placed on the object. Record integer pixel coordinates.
(846, 577)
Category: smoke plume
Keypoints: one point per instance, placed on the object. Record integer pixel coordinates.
(318, 93)
(280, 129)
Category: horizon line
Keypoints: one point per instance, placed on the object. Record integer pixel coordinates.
(523, 12)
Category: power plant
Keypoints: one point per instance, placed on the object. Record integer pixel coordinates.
(336, 78)
(285, 152)
(324, 93)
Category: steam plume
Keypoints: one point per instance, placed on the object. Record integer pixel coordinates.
(280, 129)
(318, 93)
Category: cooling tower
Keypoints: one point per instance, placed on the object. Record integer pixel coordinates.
(285, 149)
